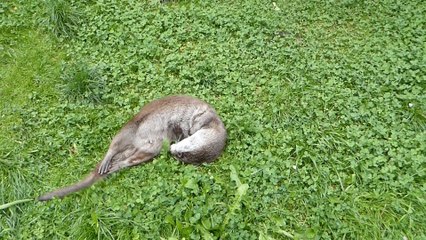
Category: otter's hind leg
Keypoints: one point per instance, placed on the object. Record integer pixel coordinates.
(136, 159)
(134, 155)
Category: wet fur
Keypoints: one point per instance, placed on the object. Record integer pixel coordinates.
(196, 131)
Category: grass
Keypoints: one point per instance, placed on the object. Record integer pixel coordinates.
(81, 82)
(61, 18)
(27, 73)
(324, 105)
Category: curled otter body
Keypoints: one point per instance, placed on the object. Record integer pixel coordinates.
(193, 127)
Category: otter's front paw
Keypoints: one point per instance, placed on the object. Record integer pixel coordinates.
(175, 152)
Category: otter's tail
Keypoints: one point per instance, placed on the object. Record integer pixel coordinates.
(85, 183)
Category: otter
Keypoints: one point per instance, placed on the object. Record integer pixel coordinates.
(193, 127)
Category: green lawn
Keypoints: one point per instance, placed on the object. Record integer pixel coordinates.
(324, 102)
